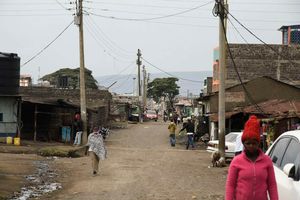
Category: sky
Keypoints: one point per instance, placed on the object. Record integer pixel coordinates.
(181, 38)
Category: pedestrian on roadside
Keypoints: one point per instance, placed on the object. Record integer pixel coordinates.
(77, 127)
(172, 129)
(97, 150)
(190, 128)
(251, 173)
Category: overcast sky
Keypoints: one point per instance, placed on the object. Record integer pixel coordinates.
(115, 29)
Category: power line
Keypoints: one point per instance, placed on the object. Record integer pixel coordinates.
(185, 79)
(237, 72)
(111, 42)
(47, 45)
(101, 45)
(153, 18)
(269, 46)
(238, 31)
(113, 77)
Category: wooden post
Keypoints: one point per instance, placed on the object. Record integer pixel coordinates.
(35, 124)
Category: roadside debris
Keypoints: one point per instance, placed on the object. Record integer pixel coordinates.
(40, 183)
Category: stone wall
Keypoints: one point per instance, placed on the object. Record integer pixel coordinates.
(256, 60)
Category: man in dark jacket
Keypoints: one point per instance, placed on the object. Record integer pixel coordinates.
(190, 128)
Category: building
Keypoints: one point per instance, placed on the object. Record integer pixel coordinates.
(259, 89)
(25, 80)
(9, 95)
(290, 34)
(256, 60)
(47, 111)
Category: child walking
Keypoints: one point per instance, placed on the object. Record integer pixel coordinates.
(172, 129)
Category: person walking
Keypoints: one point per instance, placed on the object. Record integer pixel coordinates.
(190, 128)
(97, 150)
(77, 126)
(251, 173)
(172, 129)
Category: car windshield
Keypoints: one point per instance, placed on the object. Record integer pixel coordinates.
(231, 137)
(151, 112)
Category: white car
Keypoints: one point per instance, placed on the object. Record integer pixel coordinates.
(285, 155)
(230, 138)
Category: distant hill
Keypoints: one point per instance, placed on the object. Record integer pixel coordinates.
(126, 84)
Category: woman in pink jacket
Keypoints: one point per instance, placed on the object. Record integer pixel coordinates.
(251, 174)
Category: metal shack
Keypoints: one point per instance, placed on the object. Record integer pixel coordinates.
(9, 95)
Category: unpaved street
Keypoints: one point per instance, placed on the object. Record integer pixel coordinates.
(142, 165)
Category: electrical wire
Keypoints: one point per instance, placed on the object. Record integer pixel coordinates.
(269, 46)
(61, 5)
(109, 41)
(115, 75)
(105, 44)
(101, 45)
(222, 15)
(33, 57)
(238, 31)
(170, 73)
(153, 18)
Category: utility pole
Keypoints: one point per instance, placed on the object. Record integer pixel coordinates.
(144, 88)
(83, 114)
(139, 63)
(222, 72)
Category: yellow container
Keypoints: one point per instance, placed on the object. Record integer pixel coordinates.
(9, 140)
(17, 141)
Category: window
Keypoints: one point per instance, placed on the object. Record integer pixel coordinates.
(291, 153)
(1, 117)
(278, 151)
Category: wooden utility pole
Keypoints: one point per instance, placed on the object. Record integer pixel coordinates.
(79, 22)
(139, 63)
(144, 88)
(222, 68)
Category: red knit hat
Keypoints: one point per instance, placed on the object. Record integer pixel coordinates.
(251, 129)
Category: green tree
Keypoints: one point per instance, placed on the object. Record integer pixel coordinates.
(73, 78)
(163, 87)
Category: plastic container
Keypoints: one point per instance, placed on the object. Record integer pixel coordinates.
(17, 141)
(9, 140)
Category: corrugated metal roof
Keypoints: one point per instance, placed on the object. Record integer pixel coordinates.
(277, 108)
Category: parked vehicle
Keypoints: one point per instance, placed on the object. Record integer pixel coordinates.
(150, 115)
(285, 155)
(213, 145)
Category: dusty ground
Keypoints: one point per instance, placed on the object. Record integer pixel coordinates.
(140, 165)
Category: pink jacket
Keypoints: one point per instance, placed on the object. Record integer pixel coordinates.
(248, 180)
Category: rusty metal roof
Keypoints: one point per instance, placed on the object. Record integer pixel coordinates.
(277, 108)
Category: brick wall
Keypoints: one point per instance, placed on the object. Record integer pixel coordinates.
(256, 60)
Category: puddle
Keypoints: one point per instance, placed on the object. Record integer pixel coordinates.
(40, 183)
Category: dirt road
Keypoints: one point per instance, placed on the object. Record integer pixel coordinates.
(141, 165)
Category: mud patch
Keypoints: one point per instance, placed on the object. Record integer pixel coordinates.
(40, 183)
